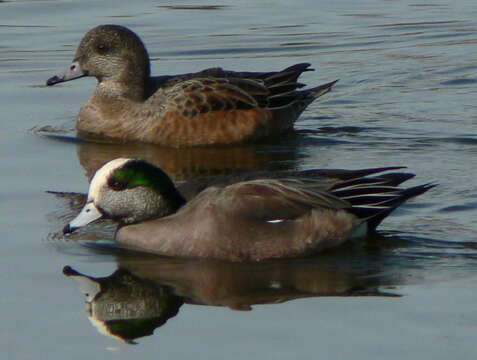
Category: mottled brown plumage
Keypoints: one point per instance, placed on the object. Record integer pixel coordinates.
(213, 106)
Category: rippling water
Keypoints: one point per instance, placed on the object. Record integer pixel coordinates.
(406, 96)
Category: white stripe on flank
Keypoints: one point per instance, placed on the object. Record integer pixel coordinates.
(276, 221)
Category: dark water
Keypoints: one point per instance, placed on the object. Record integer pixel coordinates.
(406, 96)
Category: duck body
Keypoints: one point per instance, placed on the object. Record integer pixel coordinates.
(274, 216)
(221, 234)
(210, 107)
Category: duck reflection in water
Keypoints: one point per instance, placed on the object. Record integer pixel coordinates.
(188, 163)
(146, 291)
(124, 306)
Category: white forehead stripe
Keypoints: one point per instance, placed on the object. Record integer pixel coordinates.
(101, 176)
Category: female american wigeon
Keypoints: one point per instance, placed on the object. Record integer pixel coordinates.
(213, 106)
(251, 220)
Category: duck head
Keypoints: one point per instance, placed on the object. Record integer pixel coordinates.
(128, 191)
(111, 53)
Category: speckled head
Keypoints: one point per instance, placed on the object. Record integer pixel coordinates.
(107, 49)
(110, 53)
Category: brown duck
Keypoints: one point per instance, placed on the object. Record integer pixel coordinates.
(213, 106)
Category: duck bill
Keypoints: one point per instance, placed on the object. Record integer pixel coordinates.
(74, 71)
(87, 215)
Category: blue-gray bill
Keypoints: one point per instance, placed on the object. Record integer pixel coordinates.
(87, 215)
(74, 71)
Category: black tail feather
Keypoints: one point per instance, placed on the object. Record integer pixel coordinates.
(311, 94)
(282, 85)
(290, 74)
(374, 197)
(362, 195)
(346, 175)
(374, 209)
(393, 179)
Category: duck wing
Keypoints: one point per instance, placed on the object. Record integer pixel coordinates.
(271, 199)
(202, 95)
(217, 89)
(327, 178)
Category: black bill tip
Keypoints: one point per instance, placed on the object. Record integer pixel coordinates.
(53, 80)
(68, 229)
(69, 271)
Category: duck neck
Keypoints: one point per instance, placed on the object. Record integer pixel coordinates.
(112, 89)
(174, 201)
(165, 187)
(134, 87)
(129, 84)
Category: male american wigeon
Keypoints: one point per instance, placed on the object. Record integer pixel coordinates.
(213, 106)
(250, 220)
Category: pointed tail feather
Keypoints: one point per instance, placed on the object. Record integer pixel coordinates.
(316, 92)
(346, 175)
(288, 75)
(374, 207)
(363, 185)
(300, 99)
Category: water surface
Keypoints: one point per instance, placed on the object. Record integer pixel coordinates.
(406, 96)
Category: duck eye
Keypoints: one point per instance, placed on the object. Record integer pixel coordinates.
(117, 185)
(101, 48)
